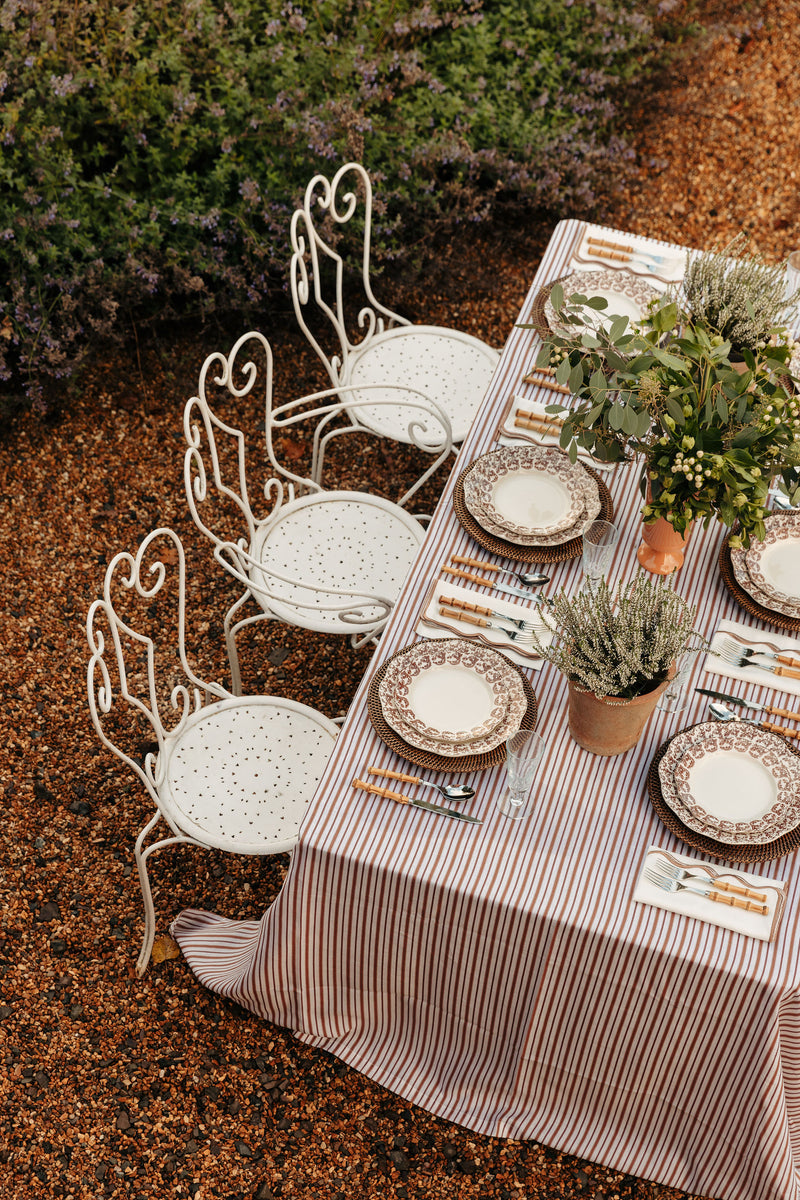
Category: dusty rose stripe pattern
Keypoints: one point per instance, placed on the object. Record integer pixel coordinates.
(500, 975)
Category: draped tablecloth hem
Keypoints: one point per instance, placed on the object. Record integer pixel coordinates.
(549, 1129)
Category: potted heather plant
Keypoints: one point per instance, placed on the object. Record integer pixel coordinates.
(737, 296)
(618, 654)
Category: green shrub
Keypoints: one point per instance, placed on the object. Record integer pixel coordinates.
(152, 152)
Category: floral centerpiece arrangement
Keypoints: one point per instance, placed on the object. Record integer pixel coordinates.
(618, 654)
(712, 423)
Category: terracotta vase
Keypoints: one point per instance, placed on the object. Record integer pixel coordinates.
(662, 548)
(609, 724)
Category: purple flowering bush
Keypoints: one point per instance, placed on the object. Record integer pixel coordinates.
(153, 152)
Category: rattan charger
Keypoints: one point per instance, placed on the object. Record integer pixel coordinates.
(441, 762)
(765, 852)
(533, 554)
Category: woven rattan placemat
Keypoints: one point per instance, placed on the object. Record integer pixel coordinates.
(441, 762)
(739, 854)
(536, 316)
(533, 554)
(768, 615)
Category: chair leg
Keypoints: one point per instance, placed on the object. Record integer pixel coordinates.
(230, 645)
(142, 856)
(147, 897)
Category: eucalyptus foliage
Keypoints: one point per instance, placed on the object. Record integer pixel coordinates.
(622, 645)
(711, 433)
(153, 151)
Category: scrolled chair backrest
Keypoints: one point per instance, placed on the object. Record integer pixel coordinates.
(336, 198)
(142, 574)
(203, 428)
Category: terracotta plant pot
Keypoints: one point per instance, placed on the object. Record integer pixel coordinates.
(609, 724)
(662, 549)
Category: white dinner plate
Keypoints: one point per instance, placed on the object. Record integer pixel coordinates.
(451, 694)
(526, 489)
(627, 295)
(773, 565)
(551, 461)
(735, 783)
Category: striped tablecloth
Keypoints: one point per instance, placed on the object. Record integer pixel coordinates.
(501, 975)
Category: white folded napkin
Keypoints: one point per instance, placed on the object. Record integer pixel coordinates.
(509, 434)
(755, 674)
(690, 904)
(432, 625)
(670, 271)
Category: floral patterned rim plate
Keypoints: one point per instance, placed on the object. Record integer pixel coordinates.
(451, 696)
(742, 577)
(590, 508)
(737, 784)
(526, 490)
(628, 295)
(773, 565)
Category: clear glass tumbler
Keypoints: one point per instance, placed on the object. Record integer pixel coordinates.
(524, 750)
(599, 541)
(676, 695)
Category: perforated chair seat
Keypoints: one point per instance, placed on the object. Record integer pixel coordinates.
(241, 772)
(454, 368)
(336, 540)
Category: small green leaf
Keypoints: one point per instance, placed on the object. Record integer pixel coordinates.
(574, 380)
(721, 407)
(616, 416)
(564, 369)
(675, 411)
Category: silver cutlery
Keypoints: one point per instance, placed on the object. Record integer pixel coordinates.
(526, 578)
(505, 588)
(728, 645)
(722, 885)
(653, 268)
(633, 251)
(450, 791)
(722, 713)
(481, 610)
(667, 884)
(401, 798)
(789, 713)
(733, 655)
(456, 614)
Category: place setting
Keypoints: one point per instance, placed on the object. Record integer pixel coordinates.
(741, 652)
(529, 502)
(729, 787)
(450, 704)
(765, 576)
(624, 289)
(530, 421)
(737, 900)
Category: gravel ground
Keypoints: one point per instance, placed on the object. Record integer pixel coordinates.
(115, 1086)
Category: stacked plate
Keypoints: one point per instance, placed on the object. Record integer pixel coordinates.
(452, 698)
(734, 783)
(530, 495)
(769, 570)
(627, 295)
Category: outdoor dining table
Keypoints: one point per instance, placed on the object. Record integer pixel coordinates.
(501, 975)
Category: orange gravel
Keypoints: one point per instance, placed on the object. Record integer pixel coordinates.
(118, 1087)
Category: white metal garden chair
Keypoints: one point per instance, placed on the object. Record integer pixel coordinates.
(452, 367)
(331, 561)
(227, 772)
